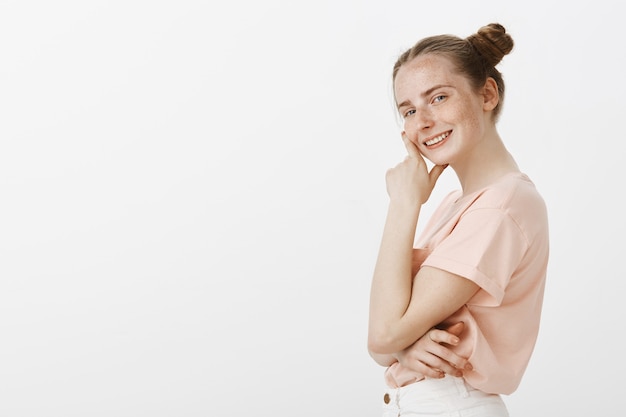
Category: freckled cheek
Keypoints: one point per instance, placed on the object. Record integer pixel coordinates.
(470, 120)
(409, 126)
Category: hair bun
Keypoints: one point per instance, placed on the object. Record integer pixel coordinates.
(492, 43)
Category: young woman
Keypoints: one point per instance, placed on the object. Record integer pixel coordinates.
(456, 318)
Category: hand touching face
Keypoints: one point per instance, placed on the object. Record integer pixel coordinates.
(409, 182)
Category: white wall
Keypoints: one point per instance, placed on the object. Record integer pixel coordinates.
(192, 196)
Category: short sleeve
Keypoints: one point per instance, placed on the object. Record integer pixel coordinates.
(486, 246)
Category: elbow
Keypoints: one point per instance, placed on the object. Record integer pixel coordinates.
(382, 343)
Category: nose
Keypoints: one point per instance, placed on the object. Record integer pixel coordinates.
(423, 119)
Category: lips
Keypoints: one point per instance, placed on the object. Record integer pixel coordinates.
(435, 140)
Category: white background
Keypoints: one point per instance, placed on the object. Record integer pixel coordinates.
(192, 196)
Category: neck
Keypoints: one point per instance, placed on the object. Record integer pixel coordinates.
(487, 162)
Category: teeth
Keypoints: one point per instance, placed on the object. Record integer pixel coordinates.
(437, 139)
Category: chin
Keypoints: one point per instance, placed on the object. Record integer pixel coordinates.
(437, 161)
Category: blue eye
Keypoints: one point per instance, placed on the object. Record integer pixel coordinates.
(409, 113)
(439, 98)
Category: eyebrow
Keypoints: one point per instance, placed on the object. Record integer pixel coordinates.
(425, 93)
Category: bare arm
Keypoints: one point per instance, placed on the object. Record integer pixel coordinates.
(403, 308)
(435, 296)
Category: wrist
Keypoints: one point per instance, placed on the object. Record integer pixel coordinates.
(404, 213)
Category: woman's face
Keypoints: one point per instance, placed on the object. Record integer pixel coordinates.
(443, 115)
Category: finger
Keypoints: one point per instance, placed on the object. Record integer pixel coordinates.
(435, 172)
(410, 146)
(443, 336)
(449, 369)
(422, 362)
(452, 359)
(456, 329)
(429, 372)
(438, 365)
(431, 366)
(443, 339)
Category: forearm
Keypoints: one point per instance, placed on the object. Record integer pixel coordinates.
(392, 280)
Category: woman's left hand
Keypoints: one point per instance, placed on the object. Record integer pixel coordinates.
(432, 355)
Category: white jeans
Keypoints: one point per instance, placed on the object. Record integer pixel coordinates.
(448, 396)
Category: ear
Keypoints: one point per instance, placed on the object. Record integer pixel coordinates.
(490, 94)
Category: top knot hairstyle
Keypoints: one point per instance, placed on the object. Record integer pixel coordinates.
(475, 56)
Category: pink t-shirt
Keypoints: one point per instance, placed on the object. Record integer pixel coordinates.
(498, 238)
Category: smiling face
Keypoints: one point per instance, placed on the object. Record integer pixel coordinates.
(443, 115)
